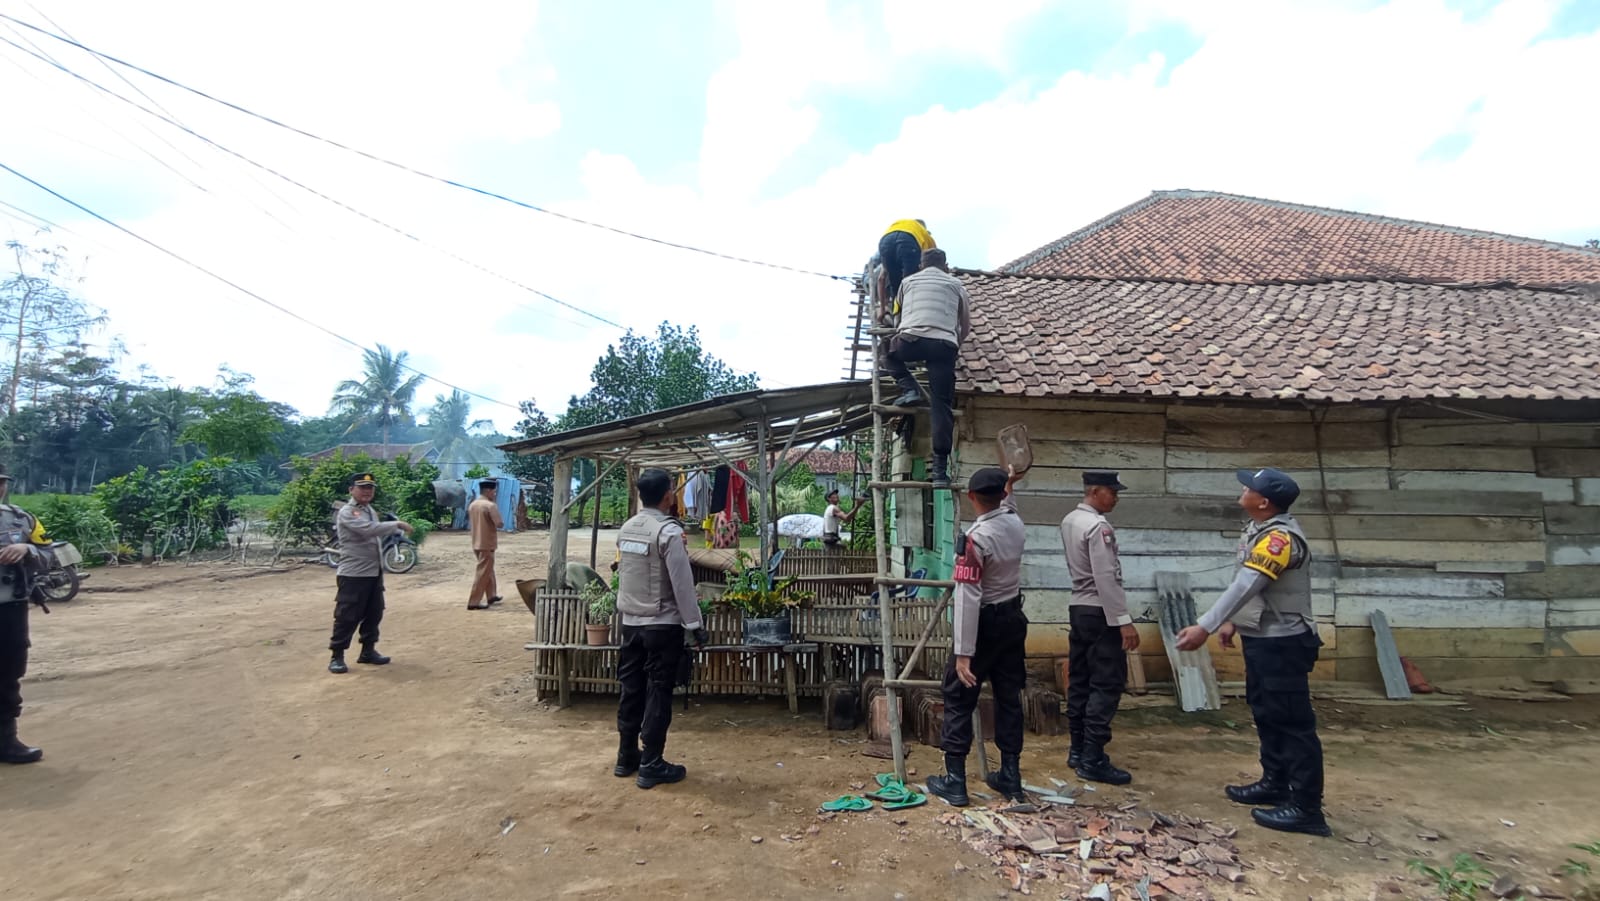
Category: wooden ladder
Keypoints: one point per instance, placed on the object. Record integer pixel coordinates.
(881, 483)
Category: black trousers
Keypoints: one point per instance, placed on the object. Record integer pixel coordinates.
(998, 658)
(901, 255)
(1097, 673)
(1277, 674)
(647, 667)
(359, 604)
(940, 357)
(14, 646)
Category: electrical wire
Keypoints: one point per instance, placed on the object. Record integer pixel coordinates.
(304, 187)
(241, 289)
(485, 192)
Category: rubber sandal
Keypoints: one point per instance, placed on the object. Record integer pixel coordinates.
(885, 779)
(847, 803)
(893, 793)
(913, 799)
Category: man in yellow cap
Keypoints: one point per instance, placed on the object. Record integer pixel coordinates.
(359, 603)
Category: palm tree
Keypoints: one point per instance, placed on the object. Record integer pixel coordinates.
(164, 414)
(383, 396)
(451, 432)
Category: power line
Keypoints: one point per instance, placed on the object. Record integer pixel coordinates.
(240, 288)
(304, 187)
(418, 172)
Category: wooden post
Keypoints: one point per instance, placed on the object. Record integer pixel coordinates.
(594, 532)
(561, 494)
(764, 505)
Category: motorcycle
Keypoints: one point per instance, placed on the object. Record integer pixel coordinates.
(59, 578)
(398, 553)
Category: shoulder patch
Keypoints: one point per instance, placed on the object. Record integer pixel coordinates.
(1270, 554)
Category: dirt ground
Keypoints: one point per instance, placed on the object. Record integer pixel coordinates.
(196, 747)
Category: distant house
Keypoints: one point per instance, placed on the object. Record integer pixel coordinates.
(833, 469)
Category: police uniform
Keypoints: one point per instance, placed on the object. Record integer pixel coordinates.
(17, 526)
(359, 602)
(991, 629)
(1270, 604)
(657, 601)
(1097, 666)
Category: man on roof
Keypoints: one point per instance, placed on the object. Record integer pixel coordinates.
(900, 249)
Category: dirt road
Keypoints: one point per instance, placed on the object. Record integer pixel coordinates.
(197, 748)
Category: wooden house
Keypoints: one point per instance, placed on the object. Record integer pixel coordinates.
(1435, 391)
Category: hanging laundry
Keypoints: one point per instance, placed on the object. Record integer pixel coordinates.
(726, 532)
(691, 496)
(739, 493)
(719, 490)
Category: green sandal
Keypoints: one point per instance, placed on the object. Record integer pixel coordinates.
(893, 793)
(845, 803)
(912, 799)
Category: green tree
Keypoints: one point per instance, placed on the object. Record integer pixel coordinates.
(451, 431)
(638, 375)
(163, 416)
(40, 313)
(382, 397)
(535, 470)
(304, 512)
(241, 426)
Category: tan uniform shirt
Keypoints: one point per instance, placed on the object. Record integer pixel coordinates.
(680, 575)
(483, 515)
(995, 539)
(361, 535)
(1091, 547)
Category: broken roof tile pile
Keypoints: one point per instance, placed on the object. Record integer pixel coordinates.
(1072, 850)
(1208, 236)
(1345, 341)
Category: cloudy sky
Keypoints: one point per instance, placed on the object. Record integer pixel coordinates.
(791, 133)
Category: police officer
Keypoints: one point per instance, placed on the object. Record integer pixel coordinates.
(359, 602)
(656, 597)
(991, 636)
(17, 559)
(1102, 630)
(1269, 604)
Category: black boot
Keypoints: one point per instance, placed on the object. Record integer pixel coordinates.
(336, 665)
(654, 771)
(627, 757)
(1268, 791)
(1075, 752)
(1293, 816)
(952, 786)
(12, 750)
(369, 654)
(910, 394)
(1008, 779)
(1097, 767)
(939, 471)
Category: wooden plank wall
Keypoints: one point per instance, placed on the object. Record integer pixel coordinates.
(1480, 540)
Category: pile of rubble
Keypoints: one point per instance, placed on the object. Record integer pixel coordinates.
(1096, 853)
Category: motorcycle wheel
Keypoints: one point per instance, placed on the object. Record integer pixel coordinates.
(65, 591)
(400, 558)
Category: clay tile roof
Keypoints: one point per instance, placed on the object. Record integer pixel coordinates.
(1209, 236)
(1345, 341)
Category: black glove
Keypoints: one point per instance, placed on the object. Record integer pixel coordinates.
(701, 637)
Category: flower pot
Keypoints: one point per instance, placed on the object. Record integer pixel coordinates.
(599, 636)
(766, 631)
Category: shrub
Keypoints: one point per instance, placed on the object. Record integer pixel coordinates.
(304, 512)
(180, 508)
(78, 518)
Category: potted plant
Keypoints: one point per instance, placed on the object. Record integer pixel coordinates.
(765, 604)
(600, 599)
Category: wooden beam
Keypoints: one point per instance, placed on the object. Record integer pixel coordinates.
(561, 490)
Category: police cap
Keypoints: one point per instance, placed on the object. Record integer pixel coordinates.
(1272, 484)
(988, 480)
(1107, 478)
(364, 478)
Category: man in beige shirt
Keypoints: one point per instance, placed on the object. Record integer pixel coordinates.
(483, 515)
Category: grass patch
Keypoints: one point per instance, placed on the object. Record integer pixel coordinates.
(254, 505)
